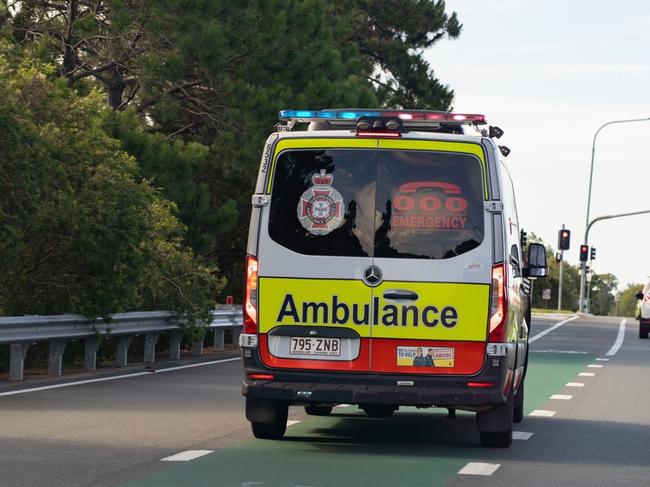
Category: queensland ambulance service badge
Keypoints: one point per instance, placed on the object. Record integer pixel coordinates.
(320, 209)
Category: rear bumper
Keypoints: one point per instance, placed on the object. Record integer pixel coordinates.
(306, 387)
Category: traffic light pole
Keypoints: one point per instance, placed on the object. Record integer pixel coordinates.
(559, 290)
(583, 264)
(591, 177)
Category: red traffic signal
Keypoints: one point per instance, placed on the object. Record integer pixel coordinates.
(584, 253)
(564, 239)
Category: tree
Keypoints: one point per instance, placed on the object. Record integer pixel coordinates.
(601, 293)
(80, 231)
(627, 302)
(216, 72)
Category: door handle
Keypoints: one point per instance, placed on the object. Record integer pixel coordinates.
(400, 294)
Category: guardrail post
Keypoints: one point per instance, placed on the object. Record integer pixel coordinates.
(175, 345)
(197, 349)
(18, 352)
(121, 356)
(219, 339)
(55, 360)
(150, 340)
(90, 353)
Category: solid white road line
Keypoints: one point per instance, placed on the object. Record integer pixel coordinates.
(619, 339)
(116, 377)
(186, 456)
(552, 328)
(521, 435)
(562, 397)
(594, 366)
(478, 468)
(575, 384)
(291, 422)
(586, 374)
(543, 413)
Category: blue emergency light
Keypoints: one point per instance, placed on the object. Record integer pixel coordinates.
(404, 115)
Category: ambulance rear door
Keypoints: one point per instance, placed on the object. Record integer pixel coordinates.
(433, 250)
(315, 243)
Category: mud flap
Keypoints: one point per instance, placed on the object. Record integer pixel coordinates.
(264, 410)
(497, 419)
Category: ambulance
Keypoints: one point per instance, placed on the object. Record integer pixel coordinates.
(385, 269)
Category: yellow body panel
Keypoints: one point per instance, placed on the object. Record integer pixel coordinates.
(443, 311)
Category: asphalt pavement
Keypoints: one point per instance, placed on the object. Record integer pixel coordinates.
(587, 423)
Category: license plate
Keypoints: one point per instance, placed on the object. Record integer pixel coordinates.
(315, 346)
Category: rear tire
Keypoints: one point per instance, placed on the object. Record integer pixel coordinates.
(643, 329)
(315, 410)
(379, 410)
(496, 439)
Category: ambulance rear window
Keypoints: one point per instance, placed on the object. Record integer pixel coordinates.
(377, 203)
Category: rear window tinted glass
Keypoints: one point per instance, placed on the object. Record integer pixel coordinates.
(381, 203)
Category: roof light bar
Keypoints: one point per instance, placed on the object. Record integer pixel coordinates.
(354, 114)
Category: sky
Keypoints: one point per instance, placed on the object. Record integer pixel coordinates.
(550, 73)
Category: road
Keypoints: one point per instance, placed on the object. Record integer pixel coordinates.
(593, 432)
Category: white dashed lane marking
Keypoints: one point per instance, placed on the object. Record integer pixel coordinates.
(602, 359)
(478, 468)
(291, 422)
(186, 456)
(595, 366)
(543, 413)
(575, 384)
(586, 374)
(561, 397)
(521, 435)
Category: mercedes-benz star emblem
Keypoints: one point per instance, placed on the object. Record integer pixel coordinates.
(372, 276)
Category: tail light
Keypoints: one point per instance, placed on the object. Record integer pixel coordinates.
(250, 296)
(647, 298)
(498, 304)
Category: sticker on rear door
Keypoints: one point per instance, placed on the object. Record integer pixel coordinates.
(320, 208)
(425, 356)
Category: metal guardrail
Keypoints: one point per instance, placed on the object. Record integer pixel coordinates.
(22, 331)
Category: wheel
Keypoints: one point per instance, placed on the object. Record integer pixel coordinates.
(495, 425)
(496, 439)
(643, 330)
(315, 410)
(269, 431)
(518, 408)
(379, 410)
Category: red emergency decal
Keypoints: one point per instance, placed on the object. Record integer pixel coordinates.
(429, 205)
(320, 208)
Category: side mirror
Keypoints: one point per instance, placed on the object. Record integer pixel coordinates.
(639, 295)
(537, 265)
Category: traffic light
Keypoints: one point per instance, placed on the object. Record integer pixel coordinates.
(593, 253)
(584, 253)
(564, 239)
(523, 237)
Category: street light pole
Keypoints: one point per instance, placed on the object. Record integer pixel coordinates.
(591, 223)
(583, 265)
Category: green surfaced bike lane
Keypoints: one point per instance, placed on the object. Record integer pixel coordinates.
(414, 447)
